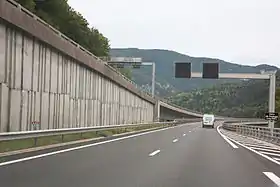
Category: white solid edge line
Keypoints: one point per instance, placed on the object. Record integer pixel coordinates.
(267, 157)
(154, 153)
(226, 138)
(175, 140)
(273, 177)
(268, 153)
(84, 146)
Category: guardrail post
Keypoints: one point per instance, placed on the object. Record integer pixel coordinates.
(35, 141)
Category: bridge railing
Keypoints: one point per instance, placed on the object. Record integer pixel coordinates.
(255, 130)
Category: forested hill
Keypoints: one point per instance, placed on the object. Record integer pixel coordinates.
(64, 18)
(164, 59)
(247, 99)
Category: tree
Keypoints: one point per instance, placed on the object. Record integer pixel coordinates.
(71, 23)
(29, 4)
(126, 72)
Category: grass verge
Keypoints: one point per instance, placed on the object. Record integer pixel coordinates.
(13, 145)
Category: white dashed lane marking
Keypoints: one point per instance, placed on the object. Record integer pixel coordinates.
(154, 153)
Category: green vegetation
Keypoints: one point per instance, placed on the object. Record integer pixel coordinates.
(64, 18)
(247, 99)
(126, 72)
(13, 145)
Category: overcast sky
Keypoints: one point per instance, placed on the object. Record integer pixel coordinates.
(241, 31)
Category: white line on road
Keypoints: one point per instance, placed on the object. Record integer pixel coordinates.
(184, 134)
(269, 150)
(175, 140)
(154, 153)
(226, 139)
(259, 146)
(268, 153)
(264, 156)
(273, 177)
(190, 131)
(85, 146)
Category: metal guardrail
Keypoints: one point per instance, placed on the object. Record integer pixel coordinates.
(252, 130)
(61, 132)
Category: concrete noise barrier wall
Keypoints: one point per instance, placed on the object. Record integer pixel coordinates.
(48, 83)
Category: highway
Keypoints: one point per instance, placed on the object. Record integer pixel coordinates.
(184, 156)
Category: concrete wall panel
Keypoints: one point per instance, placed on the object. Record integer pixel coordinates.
(16, 64)
(54, 71)
(66, 112)
(86, 112)
(48, 73)
(9, 55)
(15, 110)
(59, 77)
(77, 81)
(27, 64)
(90, 113)
(41, 73)
(82, 109)
(93, 86)
(51, 110)
(45, 111)
(24, 111)
(72, 80)
(61, 111)
(76, 113)
(3, 48)
(37, 109)
(56, 111)
(81, 83)
(4, 107)
(71, 111)
(35, 68)
(68, 76)
(63, 75)
(95, 112)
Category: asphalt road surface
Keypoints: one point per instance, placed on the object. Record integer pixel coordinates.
(185, 156)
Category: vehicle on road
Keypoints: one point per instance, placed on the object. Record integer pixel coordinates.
(208, 120)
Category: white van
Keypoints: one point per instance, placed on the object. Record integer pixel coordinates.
(208, 120)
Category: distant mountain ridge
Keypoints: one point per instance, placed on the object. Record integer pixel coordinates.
(166, 84)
